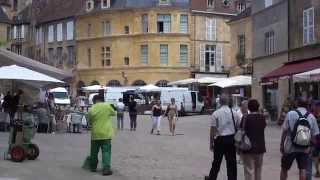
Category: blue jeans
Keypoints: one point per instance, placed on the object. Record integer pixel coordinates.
(309, 168)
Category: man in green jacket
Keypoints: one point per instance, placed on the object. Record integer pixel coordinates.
(102, 132)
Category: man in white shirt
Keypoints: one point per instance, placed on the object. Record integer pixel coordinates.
(222, 131)
(120, 113)
(289, 151)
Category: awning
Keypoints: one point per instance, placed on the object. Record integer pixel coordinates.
(291, 68)
(235, 81)
(8, 58)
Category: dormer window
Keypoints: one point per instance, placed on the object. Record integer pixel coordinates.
(105, 4)
(226, 2)
(89, 5)
(164, 2)
(210, 3)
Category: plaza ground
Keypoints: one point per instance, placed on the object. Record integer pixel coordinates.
(136, 155)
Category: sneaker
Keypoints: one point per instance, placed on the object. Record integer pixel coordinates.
(107, 173)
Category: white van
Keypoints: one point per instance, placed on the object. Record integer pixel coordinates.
(113, 94)
(186, 100)
(61, 96)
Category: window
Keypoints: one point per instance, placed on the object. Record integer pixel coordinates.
(59, 32)
(106, 56)
(241, 44)
(144, 23)
(51, 33)
(144, 56)
(70, 30)
(14, 32)
(89, 30)
(164, 54)
(51, 54)
(184, 23)
(210, 54)
(126, 30)
(105, 4)
(59, 57)
(241, 7)
(269, 43)
(126, 61)
(211, 29)
(39, 36)
(71, 55)
(106, 28)
(89, 5)
(184, 55)
(22, 31)
(210, 3)
(164, 23)
(89, 56)
(308, 26)
(268, 3)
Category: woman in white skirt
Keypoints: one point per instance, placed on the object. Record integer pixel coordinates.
(156, 117)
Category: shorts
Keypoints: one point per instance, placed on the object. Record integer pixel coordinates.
(301, 158)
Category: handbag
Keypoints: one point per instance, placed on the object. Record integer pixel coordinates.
(242, 141)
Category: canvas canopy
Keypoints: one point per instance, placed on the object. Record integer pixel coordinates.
(149, 88)
(308, 76)
(94, 88)
(234, 82)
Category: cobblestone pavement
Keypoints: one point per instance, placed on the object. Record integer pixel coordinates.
(136, 155)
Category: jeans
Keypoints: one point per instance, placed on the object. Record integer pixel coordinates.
(105, 146)
(133, 121)
(309, 168)
(120, 120)
(252, 164)
(224, 146)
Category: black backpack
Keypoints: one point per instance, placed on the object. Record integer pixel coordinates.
(301, 134)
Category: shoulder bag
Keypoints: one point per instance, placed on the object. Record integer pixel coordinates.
(242, 142)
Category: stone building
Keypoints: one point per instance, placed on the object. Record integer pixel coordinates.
(54, 32)
(241, 43)
(5, 24)
(211, 36)
(133, 42)
(270, 51)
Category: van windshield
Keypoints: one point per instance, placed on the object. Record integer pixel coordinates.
(60, 95)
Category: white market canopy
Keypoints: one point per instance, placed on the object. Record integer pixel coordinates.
(235, 81)
(149, 88)
(58, 89)
(94, 88)
(204, 80)
(15, 72)
(308, 76)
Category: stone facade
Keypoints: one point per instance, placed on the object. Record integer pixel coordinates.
(124, 64)
(270, 43)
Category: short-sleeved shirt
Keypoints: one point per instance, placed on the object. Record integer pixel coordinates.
(120, 107)
(222, 120)
(289, 123)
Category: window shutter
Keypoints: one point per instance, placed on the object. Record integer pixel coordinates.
(15, 32)
(311, 24)
(202, 57)
(214, 29)
(219, 58)
(22, 31)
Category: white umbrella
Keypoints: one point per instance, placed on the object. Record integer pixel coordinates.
(183, 82)
(209, 80)
(14, 72)
(308, 76)
(94, 88)
(149, 88)
(234, 82)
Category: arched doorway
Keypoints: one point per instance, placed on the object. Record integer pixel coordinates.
(114, 83)
(94, 83)
(162, 83)
(139, 83)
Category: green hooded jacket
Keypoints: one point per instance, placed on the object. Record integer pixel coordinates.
(100, 118)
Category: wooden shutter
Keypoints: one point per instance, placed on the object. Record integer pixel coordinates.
(219, 57)
(202, 57)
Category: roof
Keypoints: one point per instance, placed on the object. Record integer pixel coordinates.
(3, 17)
(292, 68)
(10, 58)
(137, 4)
(246, 13)
(47, 11)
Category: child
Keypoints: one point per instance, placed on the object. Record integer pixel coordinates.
(120, 112)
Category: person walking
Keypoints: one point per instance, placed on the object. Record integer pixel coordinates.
(316, 150)
(172, 111)
(120, 113)
(222, 131)
(7, 100)
(100, 119)
(254, 125)
(156, 117)
(15, 102)
(290, 146)
(133, 114)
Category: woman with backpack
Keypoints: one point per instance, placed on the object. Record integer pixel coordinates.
(254, 125)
